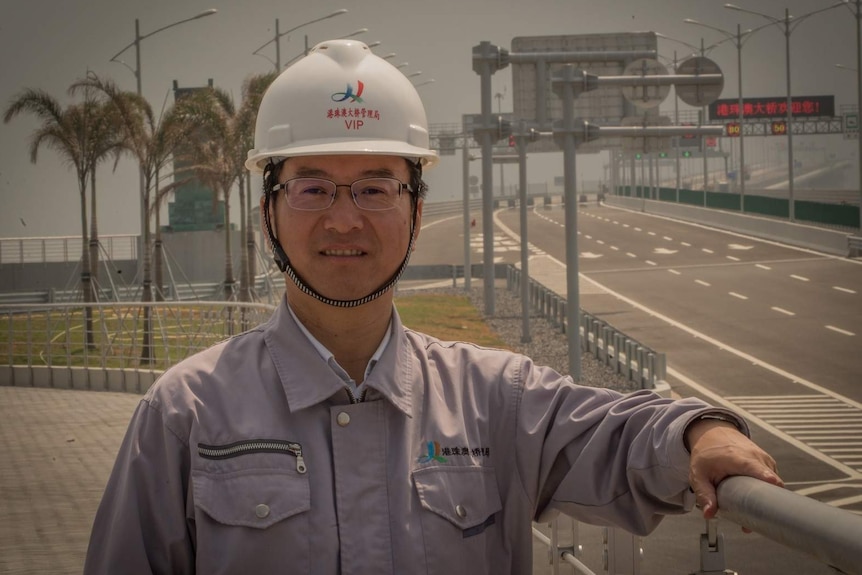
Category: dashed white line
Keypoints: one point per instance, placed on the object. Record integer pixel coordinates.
(615, 248)
(701, 282)
(732, 258)
(674, 272)
(709, 251)
(602, 242)
(686, 244)
(839, 330)
(651, 263)
(589, 237)
(845, 290)
(737, 295)
(631, 255)
(763, 267)
(638, 229)
(651, 233)
(800, 278)
(668, 238)
(784, 311)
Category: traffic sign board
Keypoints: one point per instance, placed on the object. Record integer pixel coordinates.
(699, 94)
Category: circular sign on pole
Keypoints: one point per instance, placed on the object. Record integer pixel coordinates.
(645, 96)
(699, 94)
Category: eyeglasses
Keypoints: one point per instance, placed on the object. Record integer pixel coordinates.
(312, 194)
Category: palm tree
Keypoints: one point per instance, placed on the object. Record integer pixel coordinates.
(252, 93)
(72, 133)
(151, 142)
(216, 160)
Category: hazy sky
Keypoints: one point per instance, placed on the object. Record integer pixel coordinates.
(48, 44)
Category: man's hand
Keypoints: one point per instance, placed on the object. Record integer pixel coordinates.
(719, 450)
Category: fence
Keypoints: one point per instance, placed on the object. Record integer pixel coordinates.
(112, 346)
(638, 363)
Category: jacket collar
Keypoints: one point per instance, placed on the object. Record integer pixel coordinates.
(308, 380)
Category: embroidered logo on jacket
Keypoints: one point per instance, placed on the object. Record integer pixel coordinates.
(437, 453)
(433, 453)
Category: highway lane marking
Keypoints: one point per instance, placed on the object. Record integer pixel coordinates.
(674, 272)
(650, 263)
(763, 267)
(784, 311)
(839, 330)
(668, 238)
(845, 290)
(701, 282)
(732, 258)
(737, 295)
(651, 233)
(800, 278)
(615, 248)
(686, 244)
(706, 250)
(631, 255)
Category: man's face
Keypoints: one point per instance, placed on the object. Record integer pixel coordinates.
(344, 252)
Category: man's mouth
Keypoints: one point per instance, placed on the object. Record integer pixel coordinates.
(343, 252)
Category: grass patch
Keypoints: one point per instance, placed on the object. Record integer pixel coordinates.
(447, 318)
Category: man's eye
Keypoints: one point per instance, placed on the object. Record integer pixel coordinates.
(372, 191)
(312, 191)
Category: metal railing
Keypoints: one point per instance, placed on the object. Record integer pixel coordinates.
(624, 355)
(112, 346)
(64, 249)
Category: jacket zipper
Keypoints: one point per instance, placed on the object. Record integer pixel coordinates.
(254, 446)
(352, 396)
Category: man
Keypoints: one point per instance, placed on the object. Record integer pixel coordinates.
(333, 439)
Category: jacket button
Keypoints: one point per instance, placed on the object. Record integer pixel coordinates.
(343, 419)
(262, 511)
(460, 511)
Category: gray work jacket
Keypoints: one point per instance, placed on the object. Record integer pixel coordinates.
(252, 457)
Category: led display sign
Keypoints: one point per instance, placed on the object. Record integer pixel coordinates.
(758, 108)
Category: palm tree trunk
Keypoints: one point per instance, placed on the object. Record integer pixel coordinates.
(86, 280)
(94, 236)
(251, 256)
(228, 256)
(244, 283)
(147, 351)
(158, 254)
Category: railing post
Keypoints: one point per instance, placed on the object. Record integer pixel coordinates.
(622, 553)
(712, 551)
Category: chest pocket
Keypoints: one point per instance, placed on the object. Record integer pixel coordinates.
(257, 498)
(461, 507)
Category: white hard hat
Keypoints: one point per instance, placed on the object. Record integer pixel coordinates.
(340, 99)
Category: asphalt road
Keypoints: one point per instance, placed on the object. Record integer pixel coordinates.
(769, 330)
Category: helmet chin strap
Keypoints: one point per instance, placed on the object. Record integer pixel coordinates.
(283, 263)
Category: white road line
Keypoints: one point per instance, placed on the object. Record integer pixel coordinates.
(737, 295)
(602, 242)
(631, 255)
(784, 311)
(719, 399)
(707, 250)
(800, 278)
(651, 263)
(589, 237)
(701, 282)
(638, 229)
(686, 244)
(839, 330)
(732, 258)
(845, 290)
(626, 226)
(668, 238)
(763, 267)
(615, 248)
(674, 272)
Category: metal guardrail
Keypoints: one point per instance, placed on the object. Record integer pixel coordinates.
(63, 249)
(854, 246)
(112, 346)
(626, 356)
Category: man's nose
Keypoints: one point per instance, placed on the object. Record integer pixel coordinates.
(344, 215)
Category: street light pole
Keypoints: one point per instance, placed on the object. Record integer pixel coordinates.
(279, 34)
(138, 87)
(738, 40)
(789, 23)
